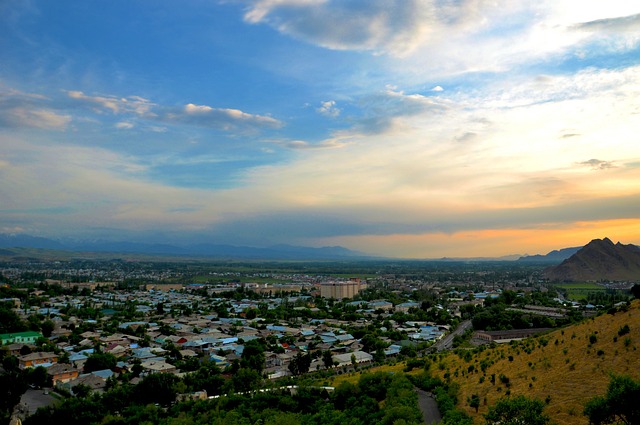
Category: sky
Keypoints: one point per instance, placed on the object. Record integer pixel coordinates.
(409, 129)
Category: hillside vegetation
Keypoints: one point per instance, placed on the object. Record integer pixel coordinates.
(564, 368)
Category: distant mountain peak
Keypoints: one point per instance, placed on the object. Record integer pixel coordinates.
(600, 259)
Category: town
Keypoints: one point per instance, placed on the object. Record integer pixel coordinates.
(77, 328)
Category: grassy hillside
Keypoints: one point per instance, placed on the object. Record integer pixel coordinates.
(565, 368)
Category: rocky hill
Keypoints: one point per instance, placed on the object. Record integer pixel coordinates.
(600, 259)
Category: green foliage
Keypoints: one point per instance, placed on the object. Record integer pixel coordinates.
(156, 388)
(9, 320)
(300, 364)
(517, 411)
(618, 405)
(474, 402)
(624, 330)
(12, 386)
(327, 359)
(37, 376)
(253, 355)
(245, 379)
(47, 328)
(100, 361)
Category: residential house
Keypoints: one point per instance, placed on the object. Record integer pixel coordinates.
(28, 337)
(158, 366)
(405, 307)
(94, 382)
(346, 359)
(37, 359)
(62, 372)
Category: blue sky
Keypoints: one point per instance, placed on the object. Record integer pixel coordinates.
(400, 128)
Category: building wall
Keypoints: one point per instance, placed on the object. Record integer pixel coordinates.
(341, 290)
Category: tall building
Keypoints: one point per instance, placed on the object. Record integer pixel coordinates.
(340, 290)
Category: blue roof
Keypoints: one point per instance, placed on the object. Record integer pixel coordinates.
(77, 357)
(105, 373)
(276, 328)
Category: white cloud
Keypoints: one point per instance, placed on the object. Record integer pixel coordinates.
(328, 108)
(117, 105)
(124, 125)
(382, 26)
(332, 143)
(201, 115)
(221, 118)
(448, 38)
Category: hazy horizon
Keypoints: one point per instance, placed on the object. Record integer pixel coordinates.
(413, 129)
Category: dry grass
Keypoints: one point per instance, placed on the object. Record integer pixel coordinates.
(566, 372)
(354, 377)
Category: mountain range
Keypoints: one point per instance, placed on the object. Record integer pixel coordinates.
(594, 260)
(599, 260)
(555, 256)
(276, 252)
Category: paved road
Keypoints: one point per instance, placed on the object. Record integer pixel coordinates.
(447, 342)
(428, 407)
(34, 399)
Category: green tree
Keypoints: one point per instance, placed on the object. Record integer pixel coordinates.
(300, 364)
(327, 359)
(253, 356)
(517, 411)
(38, 376)
(9, 320)
(100, 361)
(12, 386)
(156, 388)
(47, 328)
(246, 379)
(81, 390)
(474, 402)
(618, 406)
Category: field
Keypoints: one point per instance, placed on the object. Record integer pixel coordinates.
(578, 291)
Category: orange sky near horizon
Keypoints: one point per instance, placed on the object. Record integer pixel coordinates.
(499, 242)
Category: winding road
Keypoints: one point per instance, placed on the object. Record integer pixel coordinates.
(428, 407)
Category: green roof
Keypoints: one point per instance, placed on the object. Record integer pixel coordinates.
(20, 334)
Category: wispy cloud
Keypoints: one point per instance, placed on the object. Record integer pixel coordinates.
(220, 118)
(225, 119)
(331, 143)
(30, 110)
(597, 164)
(620, 24)
(117, 105)
(34, 118)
